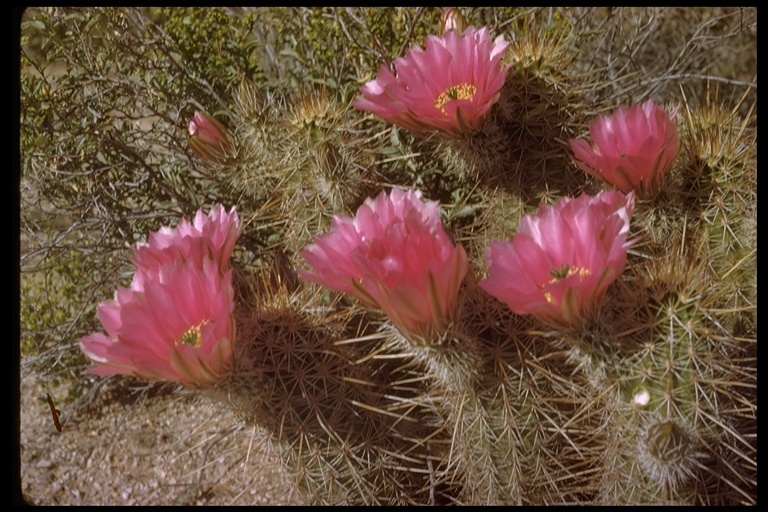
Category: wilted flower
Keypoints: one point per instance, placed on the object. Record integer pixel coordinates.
(562, 260)
(177, 328)
(395, 255)
(631, 149)
(208, 137)
(213, 236)
(452, 19)
(450, 86)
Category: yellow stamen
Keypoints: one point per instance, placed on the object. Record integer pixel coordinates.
(463, 91)
(192, 336)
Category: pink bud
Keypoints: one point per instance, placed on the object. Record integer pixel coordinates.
(208, 137)
(452, 20)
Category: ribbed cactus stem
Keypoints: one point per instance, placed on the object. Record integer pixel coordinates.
(453, 369)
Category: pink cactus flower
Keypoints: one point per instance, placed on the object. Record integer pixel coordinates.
(178, 328)
(561, 261)
(213, 236)
(208, 138)
(450, 86)
(630, 149)
(394, 255)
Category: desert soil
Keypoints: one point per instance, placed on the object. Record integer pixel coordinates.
(122, 446)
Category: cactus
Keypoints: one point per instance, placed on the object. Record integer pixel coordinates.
(652, 401)
(641, 406)
(297, 155)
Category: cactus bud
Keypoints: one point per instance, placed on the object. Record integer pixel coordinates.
(208, 137)
(452, 20)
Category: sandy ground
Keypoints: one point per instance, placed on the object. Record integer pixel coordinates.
(153, 448)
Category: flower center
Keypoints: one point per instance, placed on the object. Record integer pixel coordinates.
(568, 271)
(563, 272)
(192, 336)
(560, 273)
(463, 91)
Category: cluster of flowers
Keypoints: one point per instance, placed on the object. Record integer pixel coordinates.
(396, 255)
(451, 86)
(174, 322)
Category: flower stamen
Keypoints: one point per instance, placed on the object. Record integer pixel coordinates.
(568, 271)
(192, 336)
(464, 91)
(558, 274)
